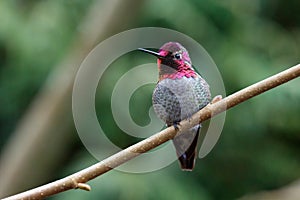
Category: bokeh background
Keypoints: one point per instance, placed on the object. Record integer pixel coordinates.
(42, 44)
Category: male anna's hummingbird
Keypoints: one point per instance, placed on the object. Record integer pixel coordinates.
(179, 93)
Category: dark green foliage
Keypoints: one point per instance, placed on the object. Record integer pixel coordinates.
(34, 36)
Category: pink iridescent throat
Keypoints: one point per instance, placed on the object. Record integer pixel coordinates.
(183, 69)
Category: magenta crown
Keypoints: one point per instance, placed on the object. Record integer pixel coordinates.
(173, 61)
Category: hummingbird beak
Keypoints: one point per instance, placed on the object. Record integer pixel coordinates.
(151, 52)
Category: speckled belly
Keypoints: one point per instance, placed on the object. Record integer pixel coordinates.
(174, 100)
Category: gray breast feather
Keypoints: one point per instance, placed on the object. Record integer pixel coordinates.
(174, 100)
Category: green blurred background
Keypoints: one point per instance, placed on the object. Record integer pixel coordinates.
(259, 148)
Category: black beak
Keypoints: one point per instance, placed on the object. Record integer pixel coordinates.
(151, 52)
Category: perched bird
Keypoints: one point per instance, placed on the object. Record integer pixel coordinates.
(179, 93)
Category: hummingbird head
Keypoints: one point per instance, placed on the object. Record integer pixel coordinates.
(173, 61)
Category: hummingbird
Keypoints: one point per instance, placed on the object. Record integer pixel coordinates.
(179, 93)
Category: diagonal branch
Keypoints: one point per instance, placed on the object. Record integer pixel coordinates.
(79, 179)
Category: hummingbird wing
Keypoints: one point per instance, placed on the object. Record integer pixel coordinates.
(186, 148)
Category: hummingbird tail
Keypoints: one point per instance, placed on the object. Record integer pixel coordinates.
(186, 148)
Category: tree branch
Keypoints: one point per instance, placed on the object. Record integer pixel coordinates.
(79, 179)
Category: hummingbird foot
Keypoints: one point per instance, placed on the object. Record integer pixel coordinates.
(216, 99)
(176, 126)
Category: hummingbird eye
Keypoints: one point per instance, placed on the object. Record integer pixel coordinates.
(177, 56)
